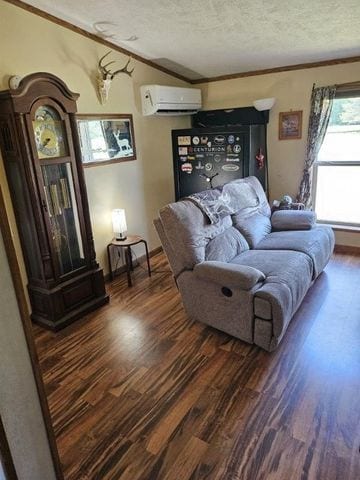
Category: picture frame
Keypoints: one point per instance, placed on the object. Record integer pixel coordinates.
(106, 138)
(290, 125)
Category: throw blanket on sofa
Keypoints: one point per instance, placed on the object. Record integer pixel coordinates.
(225, 200)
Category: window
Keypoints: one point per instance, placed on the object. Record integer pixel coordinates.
(337, 169)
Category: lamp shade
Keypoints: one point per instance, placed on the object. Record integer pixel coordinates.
(264, 104)
(119, 223)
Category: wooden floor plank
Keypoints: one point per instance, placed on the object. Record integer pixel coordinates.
(138, 391)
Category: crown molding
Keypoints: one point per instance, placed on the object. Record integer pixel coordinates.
(92, 36)
(287, 68)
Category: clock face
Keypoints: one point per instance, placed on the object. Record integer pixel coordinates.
(49, 133)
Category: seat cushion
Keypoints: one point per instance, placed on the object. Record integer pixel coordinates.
(288, 277)
(318, 243)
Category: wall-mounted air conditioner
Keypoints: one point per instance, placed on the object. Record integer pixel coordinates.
(164, 100)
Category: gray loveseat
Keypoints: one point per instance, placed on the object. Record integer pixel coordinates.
(246, 272)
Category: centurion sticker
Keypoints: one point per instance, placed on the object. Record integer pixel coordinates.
(186, 140)
(230, 168)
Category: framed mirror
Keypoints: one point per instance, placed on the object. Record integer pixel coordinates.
(106, 139)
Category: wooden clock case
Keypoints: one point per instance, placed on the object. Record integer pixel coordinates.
(50, 202)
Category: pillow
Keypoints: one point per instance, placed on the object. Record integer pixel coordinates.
(293, 220)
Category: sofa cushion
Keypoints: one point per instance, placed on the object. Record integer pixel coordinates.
(288, 277)
(225, 246)
(254, 227)
(293, 220)
(317, 243)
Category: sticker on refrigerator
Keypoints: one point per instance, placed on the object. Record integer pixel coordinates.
(199, 166)
(183, 159)
(186, 140)
(219, 139)
(231, 139)
(230, 168)
(191, 157)
(236, 148)
(204, 140)
(232, 159)
(183, 150)
(208, 167)
(186, 167)
(229, 149)
(196, 140)
(217, 158)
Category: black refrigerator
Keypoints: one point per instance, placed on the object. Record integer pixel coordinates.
(210, 156)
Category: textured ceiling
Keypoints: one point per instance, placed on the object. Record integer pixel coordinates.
(208, 38)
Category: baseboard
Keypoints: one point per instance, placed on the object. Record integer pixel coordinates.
(347, 249)
(140, 259)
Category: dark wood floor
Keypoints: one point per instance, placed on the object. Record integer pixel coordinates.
(139, 392)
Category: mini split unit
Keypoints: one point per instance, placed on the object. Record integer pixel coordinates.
(164, 100)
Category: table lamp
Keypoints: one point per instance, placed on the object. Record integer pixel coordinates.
(119, 223)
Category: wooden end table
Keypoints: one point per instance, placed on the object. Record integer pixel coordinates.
(127, 244)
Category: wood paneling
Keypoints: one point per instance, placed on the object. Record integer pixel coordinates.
(138, 391)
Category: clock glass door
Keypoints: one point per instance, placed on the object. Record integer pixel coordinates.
(57, 180)
(63, 215)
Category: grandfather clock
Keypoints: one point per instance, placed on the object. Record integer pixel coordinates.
(40, 148)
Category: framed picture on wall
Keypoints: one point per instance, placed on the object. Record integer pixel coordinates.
(106, 139)
(290, 125)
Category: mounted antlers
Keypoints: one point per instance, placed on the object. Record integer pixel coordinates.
(106, 76)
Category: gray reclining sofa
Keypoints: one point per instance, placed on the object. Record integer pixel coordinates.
(241, 269)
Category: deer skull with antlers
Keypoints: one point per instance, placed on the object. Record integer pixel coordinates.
(106, 76)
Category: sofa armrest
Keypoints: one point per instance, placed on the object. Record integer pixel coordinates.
(293, 220)
(229, 274)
